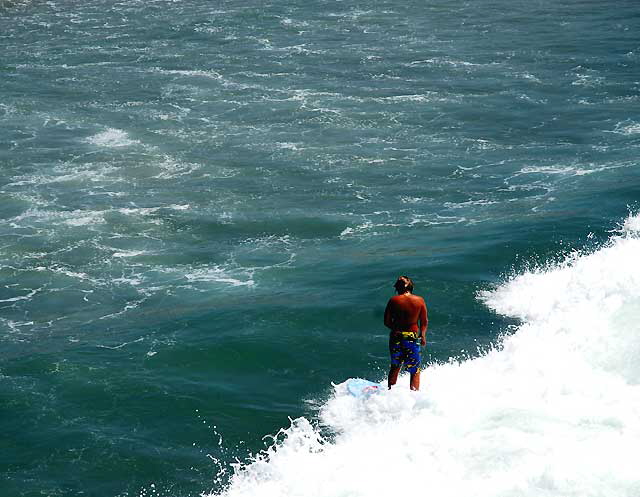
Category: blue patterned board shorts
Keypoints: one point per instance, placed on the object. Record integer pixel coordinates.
(404, 348)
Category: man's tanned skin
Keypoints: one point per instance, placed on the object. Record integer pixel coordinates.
(406, 312)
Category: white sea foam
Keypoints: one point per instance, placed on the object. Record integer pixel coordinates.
(553, 411)
(6, 110)
(77, 217)
(294, 23)
(221, 274)
(147, 211)
(14, 326)
(368, 228)
(71, 274)
(469, 203)
(172, 168)
(205, 74)
(28, 296)
(443, 61)
(528, 77)
(88, 218)
(381, 221)
(631, 224)
(581, 169)
(94, 173)
(426, 97)
(588, 80)
(627, 128)
(112, 138)
(129, 253)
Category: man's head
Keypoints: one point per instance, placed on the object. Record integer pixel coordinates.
(403, 284)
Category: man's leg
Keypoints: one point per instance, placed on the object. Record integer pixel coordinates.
(393, 375)
(413, 363)
(395, 352)
(415, 380)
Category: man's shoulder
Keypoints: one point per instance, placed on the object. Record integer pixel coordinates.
(402, 298)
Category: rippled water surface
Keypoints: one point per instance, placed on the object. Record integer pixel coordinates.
(204, 205)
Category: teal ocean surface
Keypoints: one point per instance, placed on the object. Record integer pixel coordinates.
(204, 206)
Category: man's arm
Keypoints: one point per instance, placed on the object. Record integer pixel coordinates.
(388, 319)
(424, 322)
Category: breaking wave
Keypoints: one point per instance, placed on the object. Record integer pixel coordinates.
(553, 409)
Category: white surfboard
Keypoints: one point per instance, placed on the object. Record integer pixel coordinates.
(360, 388)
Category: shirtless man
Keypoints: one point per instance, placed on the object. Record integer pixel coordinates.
(404, 316)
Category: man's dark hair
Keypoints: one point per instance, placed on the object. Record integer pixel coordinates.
(404, 284)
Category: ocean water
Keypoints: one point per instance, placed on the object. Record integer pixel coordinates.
(204, 206)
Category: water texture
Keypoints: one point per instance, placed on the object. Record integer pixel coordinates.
(204, 206)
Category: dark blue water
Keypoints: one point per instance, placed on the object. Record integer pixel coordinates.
(204, 206)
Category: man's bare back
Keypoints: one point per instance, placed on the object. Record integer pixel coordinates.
(404, 311)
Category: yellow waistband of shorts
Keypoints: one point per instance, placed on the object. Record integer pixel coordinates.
(406, 334)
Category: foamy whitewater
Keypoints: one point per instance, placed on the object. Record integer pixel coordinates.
(553, 410)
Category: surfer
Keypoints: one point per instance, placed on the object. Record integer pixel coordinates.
(406, 317)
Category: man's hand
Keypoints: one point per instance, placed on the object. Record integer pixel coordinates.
(423, 341)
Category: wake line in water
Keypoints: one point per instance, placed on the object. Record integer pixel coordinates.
(553, 411)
